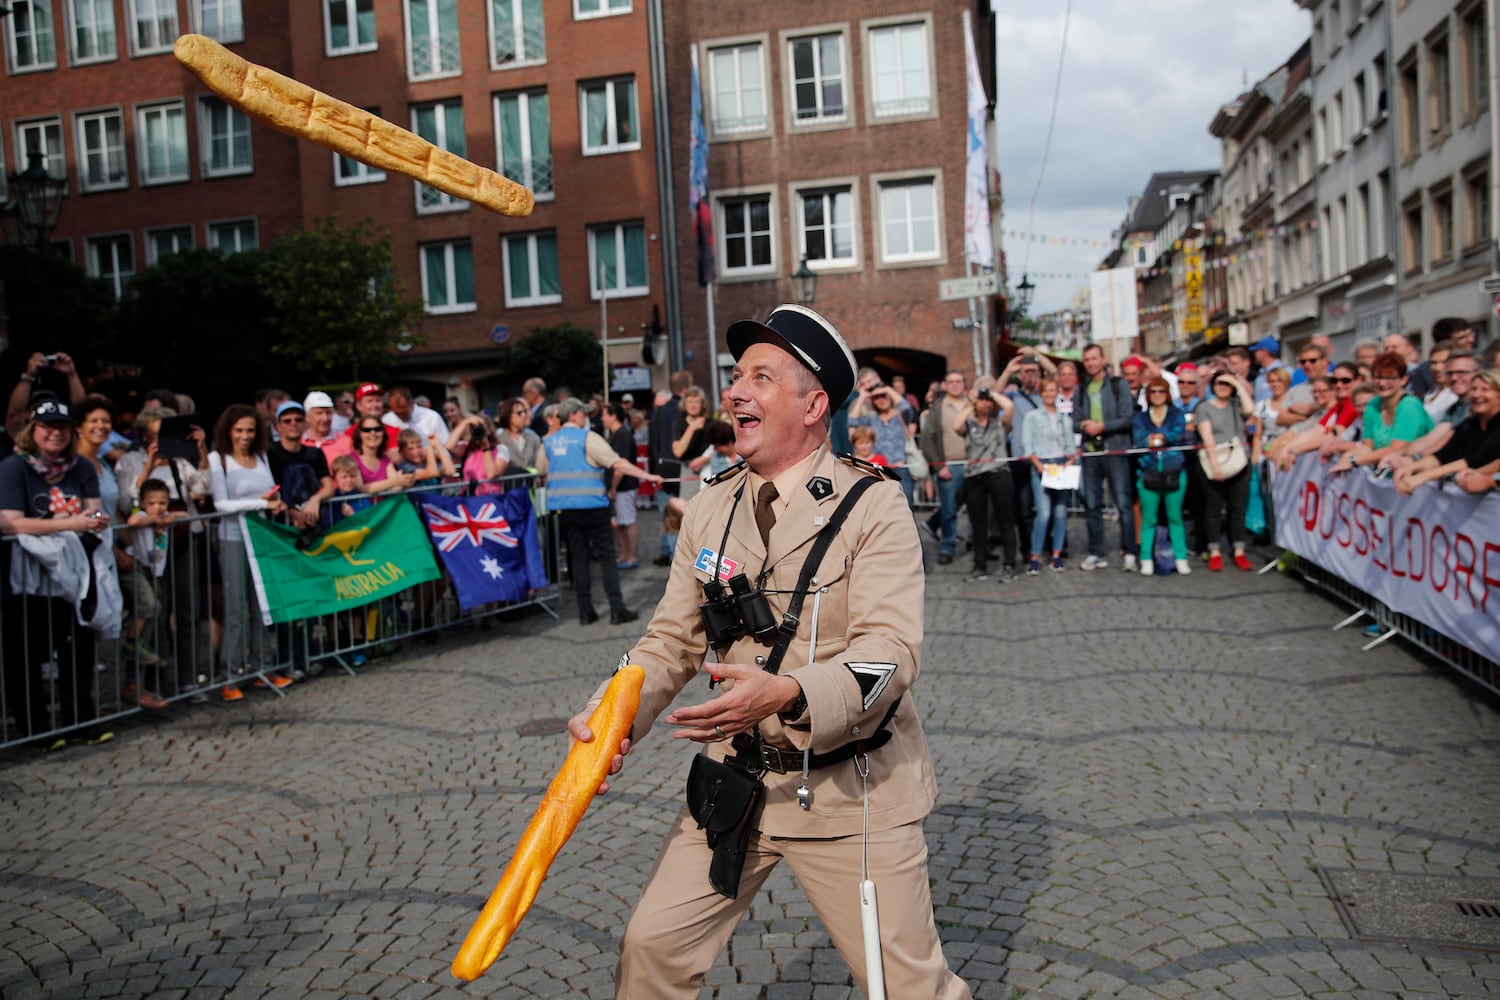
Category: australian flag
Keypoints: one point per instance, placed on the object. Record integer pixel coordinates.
(488, 545)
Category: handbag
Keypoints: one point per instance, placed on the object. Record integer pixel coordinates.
(723, 798)
(1160, 480)
(916, 464)
(1231, 454)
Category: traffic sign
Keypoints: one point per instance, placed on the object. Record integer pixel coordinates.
(1490, 285)
(1497, 305)
(968, 288)
(499, 333)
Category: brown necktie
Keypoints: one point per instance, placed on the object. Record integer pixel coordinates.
(765, 514)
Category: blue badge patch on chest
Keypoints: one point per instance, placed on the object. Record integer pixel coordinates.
(707, 557)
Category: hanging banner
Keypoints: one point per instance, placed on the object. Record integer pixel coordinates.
(1434, 556)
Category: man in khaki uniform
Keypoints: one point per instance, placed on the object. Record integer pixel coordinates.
(844, 685)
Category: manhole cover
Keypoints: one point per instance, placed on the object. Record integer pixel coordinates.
(1425, 909)
(543, 727)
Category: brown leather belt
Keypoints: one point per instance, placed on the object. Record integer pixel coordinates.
(759, 757)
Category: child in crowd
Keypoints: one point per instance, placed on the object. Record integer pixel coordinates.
(424, 462)
(349, 500)
(720, 437)
(863, 440)
(150, 526)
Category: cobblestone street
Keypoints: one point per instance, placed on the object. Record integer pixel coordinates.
(1148, 787)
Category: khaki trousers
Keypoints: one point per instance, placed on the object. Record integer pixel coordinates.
(680, 925)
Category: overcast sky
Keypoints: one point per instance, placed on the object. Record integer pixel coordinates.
(1141, 81)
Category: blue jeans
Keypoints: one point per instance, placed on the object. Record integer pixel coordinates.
(908, 485)
(1048, 502)
(949, 492)
(1115, 468)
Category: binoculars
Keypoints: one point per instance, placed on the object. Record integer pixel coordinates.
(740, 610)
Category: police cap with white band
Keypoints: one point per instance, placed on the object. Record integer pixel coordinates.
(809, 338)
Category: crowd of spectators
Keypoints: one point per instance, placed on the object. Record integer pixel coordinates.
(1145, 447)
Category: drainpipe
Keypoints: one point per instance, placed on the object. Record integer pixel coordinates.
(665, 189)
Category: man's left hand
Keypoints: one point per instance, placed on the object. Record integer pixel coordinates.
(755, 696)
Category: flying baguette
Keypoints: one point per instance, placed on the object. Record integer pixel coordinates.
(299, 110)
(575, 786)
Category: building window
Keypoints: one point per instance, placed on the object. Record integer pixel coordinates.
(432, 38)
(1320, 134)
(42, 135)
(220, 19)
(531, 275)
(1359, 226)
(617, 259)
(1442, 225)
(746, 241)
(1357, 106)
(161, 137)
(93, 30)
(599, 8)
(1411, 123)
(232, 236)
(112, 260)
(817, 79)
(349, 26)
(1380, 245)
(909, 220)
(609, 116)
(153, 25)
(29, 36)
(1476, 62)
(1476, 209)
(517, 33)
(225, 134)
(1338, 239)
(826, 232)
(524, 131)
(448, 277)
(1412, 240)
(441, 124)
(1439, 92)
(101, 148)
(900, 71)
(737, 88)
(163, 243)
(1336, 125)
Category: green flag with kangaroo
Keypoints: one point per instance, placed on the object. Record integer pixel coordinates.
(373, 554)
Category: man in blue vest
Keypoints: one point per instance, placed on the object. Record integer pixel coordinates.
(577, 461)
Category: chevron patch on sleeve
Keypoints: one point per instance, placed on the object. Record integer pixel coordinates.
(872, 678)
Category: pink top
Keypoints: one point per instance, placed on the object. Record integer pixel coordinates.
(383, 471)
(474, 470)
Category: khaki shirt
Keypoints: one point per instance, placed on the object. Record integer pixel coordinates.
(862, 620)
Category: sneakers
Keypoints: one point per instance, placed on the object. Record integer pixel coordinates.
(1148, 568)
(1184, 567)
(944, 559)
(1033, 567)
(275, 680)
(140, 696)
(978, 575)
(1057, 564)
(1215, 562)
(231, 693)
(1092, 562)
(1129, 562)
(1242, 563)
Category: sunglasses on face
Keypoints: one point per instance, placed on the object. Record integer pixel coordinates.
(1308, 361)
(372, 430)
(1463, 371)
(1341, 381)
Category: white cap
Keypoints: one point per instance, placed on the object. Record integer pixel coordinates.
(627, 398)
(316, 398)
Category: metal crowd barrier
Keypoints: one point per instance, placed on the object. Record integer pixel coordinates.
(63, 681)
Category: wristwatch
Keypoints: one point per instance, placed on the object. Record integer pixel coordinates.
(798, 709)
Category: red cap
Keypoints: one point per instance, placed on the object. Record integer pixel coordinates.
(1187, 366)
(368, 389)
(1132, 362)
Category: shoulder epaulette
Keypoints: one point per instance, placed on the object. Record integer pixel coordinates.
(883, 471)
(733, 470)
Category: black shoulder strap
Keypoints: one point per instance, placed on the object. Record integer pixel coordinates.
(790, 620)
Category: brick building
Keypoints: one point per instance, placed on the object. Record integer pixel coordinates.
(836, 134)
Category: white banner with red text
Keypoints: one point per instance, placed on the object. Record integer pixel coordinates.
(1434, 556)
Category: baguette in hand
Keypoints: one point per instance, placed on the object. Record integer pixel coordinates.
(299, 110)
(575, 786)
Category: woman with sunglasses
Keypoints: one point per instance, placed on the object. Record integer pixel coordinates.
(1392, 419)
(1334, 396)
(1475, 443)
(521, 442)
(1161, 483)
(1222, 419)
(377, 470)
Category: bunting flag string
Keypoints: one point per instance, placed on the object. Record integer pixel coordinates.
(1214, 240)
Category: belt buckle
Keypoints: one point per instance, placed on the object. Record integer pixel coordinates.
(771, 757)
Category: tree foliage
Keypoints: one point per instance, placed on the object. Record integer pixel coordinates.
(561, 355)
(52, 305)
(336, 306)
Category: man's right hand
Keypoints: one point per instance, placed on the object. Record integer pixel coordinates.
(945, 473)
(579, 732)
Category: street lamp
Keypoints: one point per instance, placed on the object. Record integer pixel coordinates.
(807, 283)
(1024, 291)
(37, 204)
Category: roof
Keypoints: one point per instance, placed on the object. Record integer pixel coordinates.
(1155, 204)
